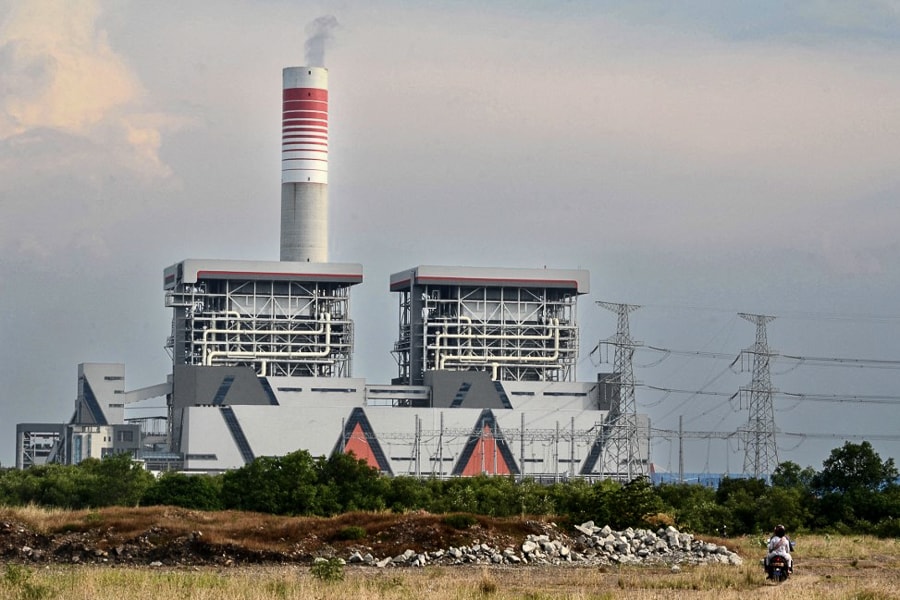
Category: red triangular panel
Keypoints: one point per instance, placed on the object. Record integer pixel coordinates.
(359, 446)
(486, 457)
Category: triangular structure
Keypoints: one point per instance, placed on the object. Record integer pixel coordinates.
(486, 452)
(359, 437)
(588, 467)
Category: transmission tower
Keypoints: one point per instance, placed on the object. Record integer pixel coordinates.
(621, 458)
(761, 456)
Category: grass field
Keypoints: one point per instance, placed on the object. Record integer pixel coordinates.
(826, 567)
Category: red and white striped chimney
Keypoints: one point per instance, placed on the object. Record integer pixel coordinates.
(304, 165)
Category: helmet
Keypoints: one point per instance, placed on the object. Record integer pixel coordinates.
(779, 530)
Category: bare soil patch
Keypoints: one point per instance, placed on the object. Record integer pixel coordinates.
(175, 536)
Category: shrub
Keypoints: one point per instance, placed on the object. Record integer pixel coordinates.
(18, 579)
(351, 532)
(460, 521)
(487, 586)
(329, 569)
(201, 492)
(888, 528)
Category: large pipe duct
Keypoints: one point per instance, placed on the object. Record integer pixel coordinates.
(304, 165)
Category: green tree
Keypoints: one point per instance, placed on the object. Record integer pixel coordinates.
(694, 507)
(740, 497)
(348, 483)
(117, 480)
(854, 467)
(200, 492)
(537, 499)
(47, 485)
(854, 489)
(632, 503)
(788, 506)
(601, 501)
(407, 493)
(282, 485)
(454, 495)
(496, 495)
(789, 475)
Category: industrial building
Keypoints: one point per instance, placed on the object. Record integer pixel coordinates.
(98, 427)
(520, 324)
(262, 356)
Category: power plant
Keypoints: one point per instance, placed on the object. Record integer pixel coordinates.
(262, 357)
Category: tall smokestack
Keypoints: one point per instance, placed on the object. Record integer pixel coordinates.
(304, 165)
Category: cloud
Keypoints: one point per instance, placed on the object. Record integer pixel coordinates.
(60, 73)
(73, 128)
(63, 72)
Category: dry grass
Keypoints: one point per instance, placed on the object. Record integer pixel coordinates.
(285, 583)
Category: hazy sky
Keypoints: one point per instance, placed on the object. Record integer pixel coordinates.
(698, 158)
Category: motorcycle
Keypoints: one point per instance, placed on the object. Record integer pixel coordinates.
(777, 569)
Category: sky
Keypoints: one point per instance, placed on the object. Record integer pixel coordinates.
(699, 159)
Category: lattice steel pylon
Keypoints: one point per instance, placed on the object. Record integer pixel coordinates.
(621, 457)
(761, 455)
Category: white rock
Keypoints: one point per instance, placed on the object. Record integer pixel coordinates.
(586, 528)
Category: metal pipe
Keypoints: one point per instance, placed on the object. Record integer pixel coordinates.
(280, 354)
(442, 359)
(324, 319)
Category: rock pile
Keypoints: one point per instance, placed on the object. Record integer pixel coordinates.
(595, 546)
(642, 546)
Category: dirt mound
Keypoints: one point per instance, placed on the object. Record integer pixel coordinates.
(173, 536)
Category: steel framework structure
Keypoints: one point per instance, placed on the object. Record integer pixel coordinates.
(515, 333)
(277, 327)
(39, 444)
(761, 456)
(621, 458)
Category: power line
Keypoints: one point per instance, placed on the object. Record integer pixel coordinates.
(859, 399)
(843, 436)
(691, 392)
(826, 361)
(813, 361)
(700, 353)
(799, 315)
(724, 435)
(837, 398)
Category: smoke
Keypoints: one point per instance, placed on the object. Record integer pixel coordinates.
(319, 33)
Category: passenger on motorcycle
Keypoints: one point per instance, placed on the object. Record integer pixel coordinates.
(780, 545)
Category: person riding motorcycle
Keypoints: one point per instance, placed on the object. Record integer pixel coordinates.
(780, 545)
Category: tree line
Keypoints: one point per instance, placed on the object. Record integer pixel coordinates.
(855, 491)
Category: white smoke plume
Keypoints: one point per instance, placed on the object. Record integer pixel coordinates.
(319, 33)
